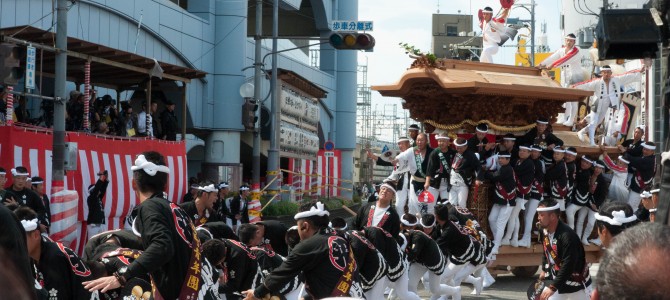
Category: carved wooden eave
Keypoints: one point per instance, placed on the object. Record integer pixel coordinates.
(454, 91)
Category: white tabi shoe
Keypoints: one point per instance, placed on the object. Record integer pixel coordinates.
(524, 242)
(596, 242)
(514, 243)
(568, 123)
(582, 135)
(585, 241)
(457, 294)
(505, 242)
(478, 285)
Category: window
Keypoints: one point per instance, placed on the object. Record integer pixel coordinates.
(182, 3)
(452, 31)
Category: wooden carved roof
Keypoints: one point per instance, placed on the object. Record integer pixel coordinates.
(451, 92)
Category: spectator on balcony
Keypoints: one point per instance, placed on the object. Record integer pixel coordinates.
(169, 123)
(127, 121)
(142, 129)
(75, 111)
(155, 120)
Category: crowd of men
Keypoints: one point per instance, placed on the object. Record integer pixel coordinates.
(205, 248)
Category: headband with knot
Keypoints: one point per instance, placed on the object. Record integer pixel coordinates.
(16, 173)
(618, 218)
(29, 225)
(317, 210)
(209, 188)
(141, 163)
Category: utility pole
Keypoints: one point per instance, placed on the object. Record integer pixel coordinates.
(532, 33)
(273, 153)
(58, 160)
(256, 155)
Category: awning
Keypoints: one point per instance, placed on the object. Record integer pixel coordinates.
(456, 91)
(109, 67)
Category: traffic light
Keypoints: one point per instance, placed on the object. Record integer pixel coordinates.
(352, 41)
(249, 118)
(10, 62)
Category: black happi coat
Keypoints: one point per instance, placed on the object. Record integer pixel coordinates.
(505, 185)
(239, 206)
(525, 174)
(477, 146)
(167, 245)
(240, 269)
(467, 165)
(582, 188)
(571, 168)
(537, 190)
(389, 248)
(422, 249)
(96, 209)
(401, 177)
(557, 178)
(436, 169)
(371, 263)
(633, 148)
(567, 270)
(13, 242)
(61, 272)
(460, 244)
(544, 140)
(599, 195)
(27, 197)
(643, 170)
(269, 260)
(192, 211)
(47, 210)
(322, 258)
(390, 221)
(126, 238)
(275, 232)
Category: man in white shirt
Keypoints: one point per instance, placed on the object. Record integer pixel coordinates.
(492, 28)
(142, 122)
(608, 91)
(569, 59)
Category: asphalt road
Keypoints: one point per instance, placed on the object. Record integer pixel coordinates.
(507, 286)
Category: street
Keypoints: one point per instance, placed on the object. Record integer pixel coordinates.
(507, 286)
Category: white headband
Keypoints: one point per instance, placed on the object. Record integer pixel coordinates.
(209, 189)
(29, 225)
(623, 160)
(555, 207)
(559, 150)
(141, 163)
(487, 12)
(570, 152)
(586, 159)
(649, 147)
(533, 148)
(407, 223)
(330, 224)
(15, 173)
(542, 122)
(200, 228)
(509, 139)
(655, 191)
(653, 210)
(597, 165)
(460, 145)
(36, 182)
(645, 194)
(223, 185)
(3, 173)
(505, 155)
(400, 140)
(388, 186)
(439, 137)
(482, 131)
(317, 210)
(428, 226)
(605, 69)
(244, 188)
(525, 148)
(618, 218)
(567, 37)
(412, 129)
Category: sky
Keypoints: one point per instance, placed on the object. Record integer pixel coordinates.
(410, 22)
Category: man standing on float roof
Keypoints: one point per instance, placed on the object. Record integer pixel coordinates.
(569, 59)
(492, 28)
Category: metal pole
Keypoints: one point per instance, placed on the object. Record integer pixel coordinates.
(273, 153)
(256, 154)
(532, 33)
(58, 160)
(183, 112)
(147, 108)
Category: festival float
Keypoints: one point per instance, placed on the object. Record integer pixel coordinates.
(456, 95)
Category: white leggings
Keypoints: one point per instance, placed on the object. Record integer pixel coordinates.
(498, 220)
(488, 52)
(458, 196)
(590, 216)
(400, 288)
(512, 231)
(416, 271)
(531, 208)
(377, 290)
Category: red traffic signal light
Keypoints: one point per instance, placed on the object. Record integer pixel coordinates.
(352, 41)
(10, 62)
